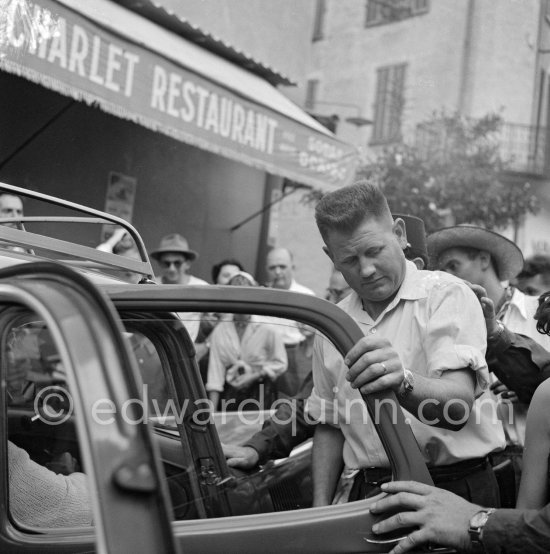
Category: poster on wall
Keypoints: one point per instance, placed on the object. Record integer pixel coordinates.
(119, 200)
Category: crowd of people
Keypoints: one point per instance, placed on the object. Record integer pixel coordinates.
(456, 324)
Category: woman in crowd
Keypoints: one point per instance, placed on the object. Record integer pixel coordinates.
(246, 358)
(533, 491)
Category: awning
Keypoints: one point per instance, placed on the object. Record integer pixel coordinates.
(103, 54)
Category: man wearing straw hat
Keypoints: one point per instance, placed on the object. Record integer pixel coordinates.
(487, 259)
(175, 258)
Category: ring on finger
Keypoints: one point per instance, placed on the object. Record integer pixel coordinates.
(384, 368)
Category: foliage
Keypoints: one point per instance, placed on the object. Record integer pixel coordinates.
(453, 169)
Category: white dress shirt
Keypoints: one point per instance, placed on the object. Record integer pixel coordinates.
(435, 324)
(260, 346)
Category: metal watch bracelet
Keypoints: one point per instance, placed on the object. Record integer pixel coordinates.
(407, 386)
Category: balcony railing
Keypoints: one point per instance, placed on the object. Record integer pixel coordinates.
(522, 148)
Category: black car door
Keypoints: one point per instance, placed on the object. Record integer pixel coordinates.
(339, 528)
(60, 339)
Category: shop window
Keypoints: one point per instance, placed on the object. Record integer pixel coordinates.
(388, 109)
(319, 23)
(389, 11)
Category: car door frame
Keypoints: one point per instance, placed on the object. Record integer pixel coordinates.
(131, 508)
(341, 528)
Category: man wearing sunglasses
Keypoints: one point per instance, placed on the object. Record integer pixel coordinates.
(175, 258)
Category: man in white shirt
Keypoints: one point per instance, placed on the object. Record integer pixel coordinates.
(175, 258)
(425, 339)
(280, 271)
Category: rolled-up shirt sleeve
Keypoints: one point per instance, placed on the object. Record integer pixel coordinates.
(457, 335)
(320, 405)
(518, 531)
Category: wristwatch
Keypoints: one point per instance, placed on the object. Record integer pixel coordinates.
(499, 330)
(475, 529)
(407, 386)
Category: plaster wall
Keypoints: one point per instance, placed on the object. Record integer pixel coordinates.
(503, 69)
(275, 33)
(496, 60)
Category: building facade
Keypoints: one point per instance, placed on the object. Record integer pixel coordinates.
(396, 62)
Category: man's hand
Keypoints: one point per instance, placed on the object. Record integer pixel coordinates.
(238, 369)
(242, 457)
(245, 380)
(63, 463)
(441, 517)
(374, 365)
(491, 323)
(488, 308)
(498, 388)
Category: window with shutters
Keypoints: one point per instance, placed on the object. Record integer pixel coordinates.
(389, 103)
(389, 11)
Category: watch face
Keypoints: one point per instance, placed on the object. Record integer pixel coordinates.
(479, 519)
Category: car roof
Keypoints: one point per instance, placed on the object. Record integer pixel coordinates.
(37, 238)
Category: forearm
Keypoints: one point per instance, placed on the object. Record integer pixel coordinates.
(445, 402)
(214, 397)
(519, 362)
(42, 498)
(533, 492)
(270, 442)
(327, 463)
(286, 429)
(271, 368)
(277, 362)
(518, 531)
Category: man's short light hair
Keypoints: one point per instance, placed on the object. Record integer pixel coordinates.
(345, 209)
(12, 194)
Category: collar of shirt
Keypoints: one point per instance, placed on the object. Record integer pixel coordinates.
(413, 287)
(517, 302)
(296, 287)
(253, 322)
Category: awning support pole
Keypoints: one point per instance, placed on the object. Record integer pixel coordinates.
(267, 206)
(40, 130)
